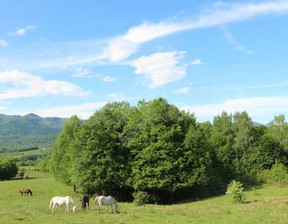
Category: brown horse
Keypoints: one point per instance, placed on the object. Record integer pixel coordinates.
(26, 192)
(85, 201)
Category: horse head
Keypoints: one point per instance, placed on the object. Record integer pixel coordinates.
(74, 209)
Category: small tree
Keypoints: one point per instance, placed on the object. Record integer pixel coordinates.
(140, 198)
(8, 169)
(277, 174)
(235, 190)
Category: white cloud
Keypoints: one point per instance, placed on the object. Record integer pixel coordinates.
(123, 46)
(85, 73)
(229, 37)
(160, 68)
(120, 48)
(196, 62)
(22, 31)
(255, 106)
(83, 111)
(27, 85)
(107, 79)
(81, 72)
(182, 90)
(3, 43)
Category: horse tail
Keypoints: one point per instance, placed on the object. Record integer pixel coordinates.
(51, 203)
(30, 192)
(96, 200)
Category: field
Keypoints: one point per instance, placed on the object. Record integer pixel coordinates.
(268, 204)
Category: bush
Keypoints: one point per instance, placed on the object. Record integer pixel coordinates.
(277, 174)
(235, 190)
(140, 198)
(8, 169)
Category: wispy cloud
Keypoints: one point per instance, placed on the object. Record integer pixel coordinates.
(22, 31)
(121, 47)
(219, 14)
(182, 90)
(229, 37)
(27, 85)
(160, 68)
(255, 106)
(107, 78)
(120, 97)
(3, 43)
(83, 111)
(197, 61)
(86, 73)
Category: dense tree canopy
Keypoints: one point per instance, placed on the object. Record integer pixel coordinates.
(156, 148)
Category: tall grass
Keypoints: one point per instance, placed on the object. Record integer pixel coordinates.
(268, 204)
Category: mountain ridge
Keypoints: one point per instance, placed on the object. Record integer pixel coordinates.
(30, 130)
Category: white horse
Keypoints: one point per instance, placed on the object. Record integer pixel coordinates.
(57, 201)
(103, 200)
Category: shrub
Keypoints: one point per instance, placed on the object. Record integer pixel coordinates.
(140, 198)
(235, 190)
(8, 169)
(277, 174)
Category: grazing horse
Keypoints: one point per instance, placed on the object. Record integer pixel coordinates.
(57, 201)
(103, 200)
(26, 192)
(85, 202)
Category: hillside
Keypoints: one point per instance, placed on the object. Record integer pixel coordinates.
(29, 131)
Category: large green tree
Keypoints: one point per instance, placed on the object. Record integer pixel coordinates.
(278, 129)
(102, 165)
(243, 140)
(221, 140)
(156, 135)
(62, 154)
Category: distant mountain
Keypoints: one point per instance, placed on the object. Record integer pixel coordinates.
(29, 131)
(256, 124)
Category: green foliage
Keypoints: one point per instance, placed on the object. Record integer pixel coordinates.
(8, 169)
(195, 162)
(44, 165)
(154, 147)
(102, 165)
(158, 131)
(221, 140)
(278, 129)
(276, 175)
(62, 156)
(235, 190)
(140, 197)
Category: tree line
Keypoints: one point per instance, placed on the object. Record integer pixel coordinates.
(156, 148)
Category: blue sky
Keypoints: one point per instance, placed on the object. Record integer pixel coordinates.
(60, 58)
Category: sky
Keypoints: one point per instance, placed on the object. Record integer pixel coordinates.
(63, 58)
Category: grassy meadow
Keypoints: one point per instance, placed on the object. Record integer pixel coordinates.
(268, 204)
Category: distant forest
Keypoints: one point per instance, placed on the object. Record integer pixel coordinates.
(28, 132)
(157, 149)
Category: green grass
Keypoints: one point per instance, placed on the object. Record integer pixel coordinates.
(268, 204)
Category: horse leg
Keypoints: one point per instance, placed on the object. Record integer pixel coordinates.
(99, 205)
